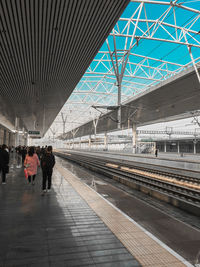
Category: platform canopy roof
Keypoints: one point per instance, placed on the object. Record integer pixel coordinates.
(45, 48)
(153, 43)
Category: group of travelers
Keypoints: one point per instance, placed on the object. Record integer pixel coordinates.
(32, 158)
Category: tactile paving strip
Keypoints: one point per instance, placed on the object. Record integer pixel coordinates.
(146, 250)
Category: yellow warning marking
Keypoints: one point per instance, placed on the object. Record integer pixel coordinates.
(146, 250)
(67, 154)
(161, 177)
(112, 165)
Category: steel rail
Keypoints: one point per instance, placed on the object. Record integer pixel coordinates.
(178, 177)
(182, 193)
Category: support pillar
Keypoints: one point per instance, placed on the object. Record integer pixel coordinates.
(16, 132)
(95, 123)
(4, 136)
(178, 147)
(64, 120)
(26, 142)
(89, 142)
(105, 142)
(165, 147)
(119, 111)
(134, 132)
(80, 143)
(195, 150)
(119, 63)
(74, 131)
(24, 136)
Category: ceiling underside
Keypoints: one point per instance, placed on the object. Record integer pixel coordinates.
(46, 47)
(175, 96)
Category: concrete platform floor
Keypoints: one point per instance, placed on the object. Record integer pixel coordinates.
(58, 229)
(175, 228)
(66, 228)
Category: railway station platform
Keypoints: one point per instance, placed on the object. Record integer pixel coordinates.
(74, 225)
(187, 165)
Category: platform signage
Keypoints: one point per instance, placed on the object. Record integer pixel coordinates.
(34, 132)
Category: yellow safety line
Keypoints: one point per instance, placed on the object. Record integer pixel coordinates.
(146, 250)
(112, 165)
(156, 176)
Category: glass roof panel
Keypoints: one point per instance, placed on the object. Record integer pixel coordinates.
(151, 42)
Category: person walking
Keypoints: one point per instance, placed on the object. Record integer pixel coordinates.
(47, 164)
(31, 163)
(23, 153)
(4, 161)
(38, 152)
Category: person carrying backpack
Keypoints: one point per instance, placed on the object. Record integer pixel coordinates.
(47, 164)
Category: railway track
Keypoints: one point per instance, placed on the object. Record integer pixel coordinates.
(181, 191)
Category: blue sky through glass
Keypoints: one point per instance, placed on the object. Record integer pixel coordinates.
(150, 61)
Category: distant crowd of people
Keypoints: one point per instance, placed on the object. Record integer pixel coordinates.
(32, 158)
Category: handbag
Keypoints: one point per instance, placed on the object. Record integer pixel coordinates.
(25, 173)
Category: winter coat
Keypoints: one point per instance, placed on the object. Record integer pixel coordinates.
(47, 161)
(31, 164)
(4, 159)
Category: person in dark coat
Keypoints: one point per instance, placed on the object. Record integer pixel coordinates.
(47, 164)
(23, 153)
(0, 158)
(4, 161)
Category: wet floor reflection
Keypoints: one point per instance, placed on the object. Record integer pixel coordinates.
(58, 229)
(154, 218)
(96, 181)
(27, 203)
(103, 185)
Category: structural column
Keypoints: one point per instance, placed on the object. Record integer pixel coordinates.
(89, 142)
(134, 131)
(106, 142)
(80, 143)
(16, 131)
(178, 147)
(119, 111)
(26, 139)
(74, 131)
(165, 147)
(4, 136)
(195, 142)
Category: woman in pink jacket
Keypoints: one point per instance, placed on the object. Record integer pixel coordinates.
(31, 163)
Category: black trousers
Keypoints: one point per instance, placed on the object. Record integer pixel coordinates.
(3, 174)
(29, 178)
(47, 174)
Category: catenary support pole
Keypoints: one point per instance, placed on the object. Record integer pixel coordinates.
(89, 142)
(165, 147)
(134, 133)
(195, 142)
(105, 142)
